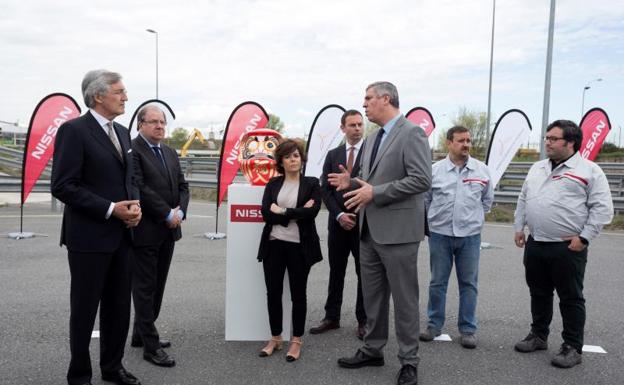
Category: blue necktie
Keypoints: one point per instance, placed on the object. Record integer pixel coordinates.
(158, 153)
(376, 147)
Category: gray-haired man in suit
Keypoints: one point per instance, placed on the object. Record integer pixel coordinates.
(395, 174)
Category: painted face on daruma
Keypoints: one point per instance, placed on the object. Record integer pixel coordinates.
(256, 155)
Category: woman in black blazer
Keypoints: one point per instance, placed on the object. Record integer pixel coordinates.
(289, 242)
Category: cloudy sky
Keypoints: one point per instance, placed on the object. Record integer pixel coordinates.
(294, 57)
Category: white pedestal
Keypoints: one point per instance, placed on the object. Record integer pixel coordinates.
(246, 314)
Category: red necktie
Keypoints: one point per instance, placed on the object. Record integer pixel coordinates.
(350, 158)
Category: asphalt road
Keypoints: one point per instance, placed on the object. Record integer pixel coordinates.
(34, 307)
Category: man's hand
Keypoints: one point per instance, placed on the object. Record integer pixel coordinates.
(175, 219)
(309, 204)
(519, 238)
(575, 243)
(128, 211)
(342, 180)
(359, 198)
(347, 221)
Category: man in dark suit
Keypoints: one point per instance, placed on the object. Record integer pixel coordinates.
(164, 198)
(343, 236)
(92, 174)
(395, 175)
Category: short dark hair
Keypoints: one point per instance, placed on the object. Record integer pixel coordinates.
(571, 132)
(455, 129)
(286, 148)
(348, 113)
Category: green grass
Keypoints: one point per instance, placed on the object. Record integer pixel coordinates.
(502, 213)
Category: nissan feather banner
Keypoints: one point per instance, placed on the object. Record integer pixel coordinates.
(421, 117)
(51, 112)
(325, 134)
(512, 128)
(595, 126)
(246, 117)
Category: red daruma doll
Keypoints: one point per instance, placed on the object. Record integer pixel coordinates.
(256, 155)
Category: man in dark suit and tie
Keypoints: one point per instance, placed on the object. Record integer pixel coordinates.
(343, 236)
(92, 174)
(395, 175)
(164, 198)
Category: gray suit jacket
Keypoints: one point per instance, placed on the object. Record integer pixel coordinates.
(400, 176)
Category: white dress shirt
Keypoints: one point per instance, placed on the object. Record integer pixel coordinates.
(103, 122)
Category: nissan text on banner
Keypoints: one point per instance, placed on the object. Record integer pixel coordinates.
(512, 128)
(246, 117)
(595, 126)
(52, 111)
(421, 117)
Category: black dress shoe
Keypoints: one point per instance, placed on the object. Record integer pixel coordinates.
(360, 359)
(138, 343)
(361, 331)
(408, 375)
(324, 326)
(121, 377)
(159, 357)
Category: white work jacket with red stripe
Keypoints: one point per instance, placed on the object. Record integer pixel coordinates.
(574, 199)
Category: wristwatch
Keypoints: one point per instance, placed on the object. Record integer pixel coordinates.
(284, 211)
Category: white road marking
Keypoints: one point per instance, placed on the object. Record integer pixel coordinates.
(443, 337)
(593, 349)
(95, 334)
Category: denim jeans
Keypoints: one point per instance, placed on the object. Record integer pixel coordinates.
(464, 252)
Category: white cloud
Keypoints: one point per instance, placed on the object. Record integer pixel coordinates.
(294, 57)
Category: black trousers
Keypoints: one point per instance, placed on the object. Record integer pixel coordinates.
(340, 244)
(150, 268)
(98, 279)
(286, 256)
(552, 266)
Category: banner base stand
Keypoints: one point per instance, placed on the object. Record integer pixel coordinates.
(213, 236)
(24, 235)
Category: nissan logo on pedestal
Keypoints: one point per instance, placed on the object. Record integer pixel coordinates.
(246, 213)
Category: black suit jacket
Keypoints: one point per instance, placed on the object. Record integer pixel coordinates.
(333, 199)
(87, 175)
(309, 188)
(161, 190)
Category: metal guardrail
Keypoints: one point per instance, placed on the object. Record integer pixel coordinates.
(13, 185)
(201, 172)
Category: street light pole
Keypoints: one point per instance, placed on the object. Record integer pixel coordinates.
(546, 106)
(489, 107)
(587, 86)
(155, 33)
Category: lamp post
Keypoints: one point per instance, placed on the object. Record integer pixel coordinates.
(155, 33)
(489, 106)
(587, 86)
(549, 49)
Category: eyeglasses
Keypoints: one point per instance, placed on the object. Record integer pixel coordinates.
(552, 139)
(155, 122)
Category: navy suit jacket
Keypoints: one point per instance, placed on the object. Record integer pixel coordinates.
(88, 175)
(333, 199)
(161, 190)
